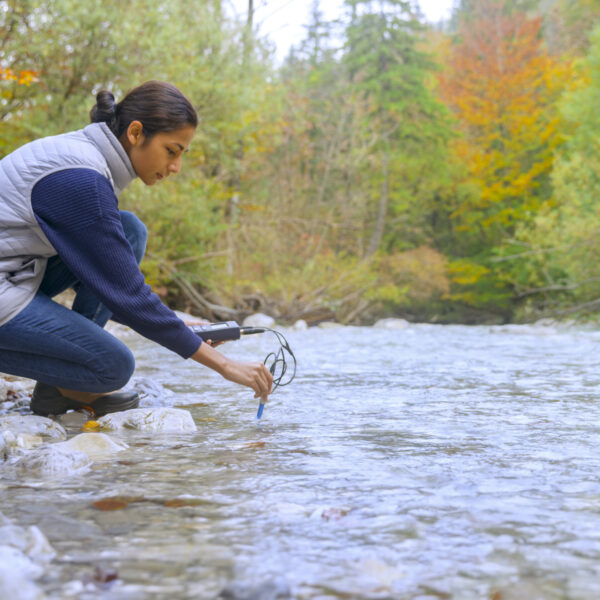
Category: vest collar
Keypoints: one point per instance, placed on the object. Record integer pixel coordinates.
(117, 160)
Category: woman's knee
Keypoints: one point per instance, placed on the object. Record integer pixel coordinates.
(135, 232)
(117, 368)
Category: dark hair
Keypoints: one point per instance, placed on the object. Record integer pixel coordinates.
(158, 105)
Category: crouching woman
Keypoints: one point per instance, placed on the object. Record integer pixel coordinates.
(61, 227)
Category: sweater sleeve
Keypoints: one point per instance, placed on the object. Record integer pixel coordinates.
(78, 211)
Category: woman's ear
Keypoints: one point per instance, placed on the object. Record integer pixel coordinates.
(135, 133)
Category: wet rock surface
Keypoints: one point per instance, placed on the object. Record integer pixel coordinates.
(24, 555)
(158, 419)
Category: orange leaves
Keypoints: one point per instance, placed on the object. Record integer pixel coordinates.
(25, 77)
(502, 85)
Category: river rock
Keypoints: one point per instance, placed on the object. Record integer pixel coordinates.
(155, 419)
(330, 325)
(53, 460)
(23, 554)
(259, 320)
(300, 325)
(24, 432)
(94, 445)
(391, 324)
(151, 392)
(33, 424)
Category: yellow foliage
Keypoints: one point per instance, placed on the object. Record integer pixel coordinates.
(502, 86)
(420, 274)
(25, 77)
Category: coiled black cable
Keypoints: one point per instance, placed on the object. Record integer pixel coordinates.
(276, 362)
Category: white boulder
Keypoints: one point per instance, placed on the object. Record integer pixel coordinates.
(53, 460)
(95, 446)
(259, 320)
(391, 324)
(155, 419)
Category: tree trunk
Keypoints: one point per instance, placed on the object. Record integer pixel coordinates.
(377, 235)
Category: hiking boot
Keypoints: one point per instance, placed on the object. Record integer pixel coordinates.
(47, 400)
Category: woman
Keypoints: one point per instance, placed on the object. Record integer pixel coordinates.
(60, 227)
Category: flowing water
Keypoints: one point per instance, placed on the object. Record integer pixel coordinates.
(428, 462)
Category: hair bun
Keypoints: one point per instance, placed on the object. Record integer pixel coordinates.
(105, 108)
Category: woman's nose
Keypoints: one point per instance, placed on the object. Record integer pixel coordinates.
(175, 165)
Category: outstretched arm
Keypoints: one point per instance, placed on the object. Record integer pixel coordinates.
(251, 374)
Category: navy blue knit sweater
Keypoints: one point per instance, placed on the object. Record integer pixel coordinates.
(78, 211)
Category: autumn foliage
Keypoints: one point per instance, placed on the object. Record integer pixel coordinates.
(502, 85)
(25, 77)
(385, 168)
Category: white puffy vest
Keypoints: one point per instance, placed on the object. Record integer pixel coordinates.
(24, 249)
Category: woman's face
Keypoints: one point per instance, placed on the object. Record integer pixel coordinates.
(156, 158)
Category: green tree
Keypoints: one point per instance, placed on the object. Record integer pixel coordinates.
(558, 261)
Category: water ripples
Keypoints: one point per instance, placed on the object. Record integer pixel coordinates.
(430, 462)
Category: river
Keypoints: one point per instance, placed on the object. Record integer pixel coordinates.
(431, 462)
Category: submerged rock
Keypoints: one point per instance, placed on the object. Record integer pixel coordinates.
(94, 445)
(276, 589)
(157, 419)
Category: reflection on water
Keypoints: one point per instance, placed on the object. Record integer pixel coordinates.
(431, 462)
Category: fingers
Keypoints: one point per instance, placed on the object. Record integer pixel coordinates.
(254, 375)
(262, 382)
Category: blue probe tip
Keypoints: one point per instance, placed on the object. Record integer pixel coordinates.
(260, 410)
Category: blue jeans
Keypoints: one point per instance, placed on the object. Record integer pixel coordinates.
(69, 348)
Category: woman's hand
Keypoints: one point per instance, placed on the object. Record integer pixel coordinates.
(251, 374)
(254, 375)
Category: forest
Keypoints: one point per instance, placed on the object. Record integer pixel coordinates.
(388, 168)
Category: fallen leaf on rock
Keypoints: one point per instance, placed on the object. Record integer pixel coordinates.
(117, 503)
(110, 504)
(91, 426)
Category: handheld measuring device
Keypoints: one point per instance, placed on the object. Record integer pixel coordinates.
(224, 331)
